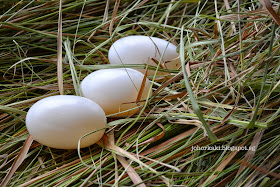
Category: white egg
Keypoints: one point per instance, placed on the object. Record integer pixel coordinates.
(60, 121)
(115, 90)
(140, 50)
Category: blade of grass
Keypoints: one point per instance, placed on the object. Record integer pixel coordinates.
(256, 112)
(268, 6)
(131, 172)
(59, 50)
(195, 106)
(18, 161)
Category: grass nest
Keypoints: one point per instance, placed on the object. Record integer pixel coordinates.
(212, 122)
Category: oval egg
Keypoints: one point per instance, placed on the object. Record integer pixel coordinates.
(60, 121)
(115, 90)
(140, 50)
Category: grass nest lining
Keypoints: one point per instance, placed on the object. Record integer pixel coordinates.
(229, 82)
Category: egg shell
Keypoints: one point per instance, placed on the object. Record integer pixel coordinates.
(60, 121)
(112, 89)
(139, 49)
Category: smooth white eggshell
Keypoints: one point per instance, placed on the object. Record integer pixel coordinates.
(113, 88)
(139, 49)
(60, 121)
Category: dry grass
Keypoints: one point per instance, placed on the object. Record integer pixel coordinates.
(229, 84)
